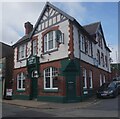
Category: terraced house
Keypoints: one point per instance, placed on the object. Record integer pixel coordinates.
(60, 60)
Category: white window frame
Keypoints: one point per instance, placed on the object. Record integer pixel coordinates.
(100, 79)
(34, 45)
(82, 42)
(90, 48)
(85, 77)
(22, 52)
(51, 78)
(90, 79)
(21, 77)
(47, 39)
(104, 78)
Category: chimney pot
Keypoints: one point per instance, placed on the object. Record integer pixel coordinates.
(28, 27)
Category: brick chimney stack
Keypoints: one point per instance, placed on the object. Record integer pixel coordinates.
(28, 27)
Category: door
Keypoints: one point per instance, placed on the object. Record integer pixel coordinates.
(71, 87)
(34, 87)
(34, 84)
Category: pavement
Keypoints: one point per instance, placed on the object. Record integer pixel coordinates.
(51, 105)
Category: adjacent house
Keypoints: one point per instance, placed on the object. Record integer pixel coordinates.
(6, 69)
(60, 60)
(115, 70)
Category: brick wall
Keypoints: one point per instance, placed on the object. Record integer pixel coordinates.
(27, 82)
(61, 80)
(95, 74)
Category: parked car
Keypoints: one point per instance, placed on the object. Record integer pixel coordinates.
(117, 79)
(108, 90)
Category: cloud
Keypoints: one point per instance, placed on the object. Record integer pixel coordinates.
(14, 15)
(74, 9)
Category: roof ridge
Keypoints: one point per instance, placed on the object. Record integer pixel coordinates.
(91, 24)
(5, 44)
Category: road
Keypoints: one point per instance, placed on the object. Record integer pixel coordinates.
(101, 108)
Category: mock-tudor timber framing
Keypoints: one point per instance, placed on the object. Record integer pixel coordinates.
(65, 68)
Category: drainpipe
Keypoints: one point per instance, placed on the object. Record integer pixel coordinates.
(80, 68)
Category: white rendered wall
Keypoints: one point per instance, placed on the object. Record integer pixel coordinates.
(62, 51)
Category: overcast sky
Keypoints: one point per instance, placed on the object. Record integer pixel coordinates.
(15, 14)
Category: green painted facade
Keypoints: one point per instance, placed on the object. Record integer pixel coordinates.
(70, 69)
(22, 97)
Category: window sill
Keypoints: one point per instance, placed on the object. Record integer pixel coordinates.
(20, 90)
(84, 87)
(19, 60)
(50, 90)
(47, 52)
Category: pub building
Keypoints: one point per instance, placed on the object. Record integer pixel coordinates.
(59, 60)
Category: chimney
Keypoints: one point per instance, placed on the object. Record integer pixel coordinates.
(28, 27)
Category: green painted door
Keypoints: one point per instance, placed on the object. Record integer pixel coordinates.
(34, 88)
(71, 87)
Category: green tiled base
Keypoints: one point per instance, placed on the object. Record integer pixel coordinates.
(22, 97)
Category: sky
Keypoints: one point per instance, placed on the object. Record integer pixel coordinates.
(15, 14)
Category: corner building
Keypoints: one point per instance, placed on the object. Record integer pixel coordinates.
(59, 60)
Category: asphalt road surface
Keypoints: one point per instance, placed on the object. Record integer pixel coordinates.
(101, 108)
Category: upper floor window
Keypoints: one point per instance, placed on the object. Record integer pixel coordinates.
(86, 45)
(50, 78)
(90, 51)
(21, 81)
(102, 59)
(82, 40)
(22, 52)
(106, 61)
(98, 57)
(50, 41)
(99, 39)
(34, 46)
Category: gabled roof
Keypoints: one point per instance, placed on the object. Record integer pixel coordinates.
(22, 40)
(92, 28)
(60, 11)
(87, 29)
(43, 11)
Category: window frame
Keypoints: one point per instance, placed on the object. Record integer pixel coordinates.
(82, 40)
(101, 82)
(20, 77)
(22, 52)
(91, 79)
(51, 76)
(85, 78)
(47, 40)
(34, 47)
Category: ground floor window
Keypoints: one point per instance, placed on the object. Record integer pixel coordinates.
(21, 81)
(90, 79)
(50, 78)
(102, 79)
(84, 78)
